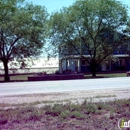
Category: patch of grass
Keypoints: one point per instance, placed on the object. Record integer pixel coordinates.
(76, 114)
(91, 108)
(104, 96)
(87, 115)
(65, 114)
(107, 75)
(75, 107)
(112, 114)
(54, 110)
(44, 103)
(102, 105)
(21, 77)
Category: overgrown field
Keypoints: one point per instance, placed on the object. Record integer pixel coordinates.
(87, 115)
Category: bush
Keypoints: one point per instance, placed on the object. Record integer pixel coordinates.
(57, 72)
(77, 114)
(55, 110)
(65, 114)
(91, 108)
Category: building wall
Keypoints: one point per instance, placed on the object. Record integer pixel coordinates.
(70, 64)
(78, 65)
(128, 66)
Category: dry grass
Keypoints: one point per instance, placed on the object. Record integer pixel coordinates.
(69, 116)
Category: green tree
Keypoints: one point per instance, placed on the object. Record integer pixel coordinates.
(22, 31)
(92, 27)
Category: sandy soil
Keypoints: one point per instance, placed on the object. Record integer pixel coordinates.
(47, 98)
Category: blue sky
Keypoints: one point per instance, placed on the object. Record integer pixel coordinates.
(55, 5)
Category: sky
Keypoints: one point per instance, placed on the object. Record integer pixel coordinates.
(52, 5)
(56, 5)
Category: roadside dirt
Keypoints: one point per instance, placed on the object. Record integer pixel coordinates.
(28, 113)
(62, 97)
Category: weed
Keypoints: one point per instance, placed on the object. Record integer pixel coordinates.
(100, 115)
(34, 116)
(112, 115)
(104, 96)
(54, 110)
(101, 105)
(75, 107)
(84, 103)
(47, 107)
(65, 114)
(75, 114)
(91, 108)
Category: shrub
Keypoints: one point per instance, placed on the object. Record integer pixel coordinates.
(77, 114)
(55, 110)
(74, 107)
(57, 72)
(91, 108)
(65, 114)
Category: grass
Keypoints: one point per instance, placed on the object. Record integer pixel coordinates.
(16, 78)
(104, 96)
(25, 77)
(107, 75)
(80, 116)
(19, 77)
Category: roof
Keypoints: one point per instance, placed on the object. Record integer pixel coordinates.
(88, 56)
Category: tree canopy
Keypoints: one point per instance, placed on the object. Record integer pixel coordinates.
(22, 30)
(92, 27)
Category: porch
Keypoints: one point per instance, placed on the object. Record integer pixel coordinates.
(77, 64)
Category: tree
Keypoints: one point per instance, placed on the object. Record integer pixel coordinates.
(127, 38)
(92, 27)
(22, 31)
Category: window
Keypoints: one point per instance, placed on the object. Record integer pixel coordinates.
(120, 62)
(83, 62)
(68, 63)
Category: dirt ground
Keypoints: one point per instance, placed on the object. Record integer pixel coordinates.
(62, 97)
(26, 112)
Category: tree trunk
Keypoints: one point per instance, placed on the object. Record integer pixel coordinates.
(93, 73)
(93, 68)
(6, 76)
